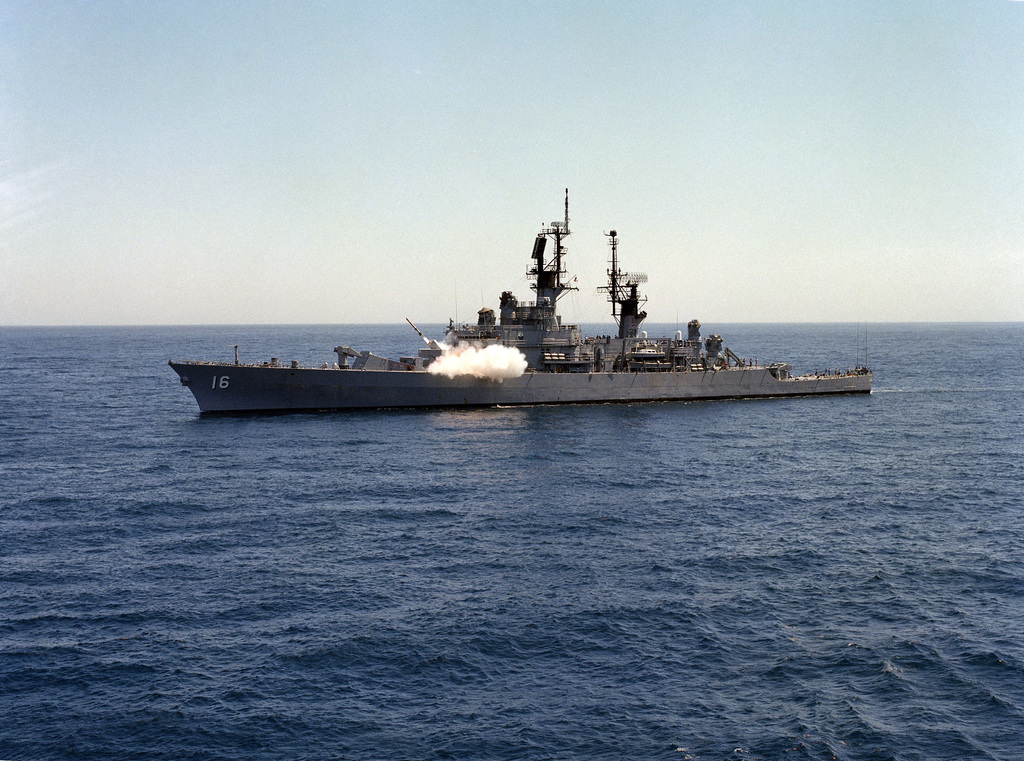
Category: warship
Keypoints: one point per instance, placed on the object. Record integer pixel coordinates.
(524, 355)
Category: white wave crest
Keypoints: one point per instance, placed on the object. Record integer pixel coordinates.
(494, 362)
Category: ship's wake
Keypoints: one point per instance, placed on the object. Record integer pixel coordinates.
(492, 362)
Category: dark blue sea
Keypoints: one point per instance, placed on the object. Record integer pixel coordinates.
(779, 579)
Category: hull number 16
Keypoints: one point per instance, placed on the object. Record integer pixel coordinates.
(220, 381)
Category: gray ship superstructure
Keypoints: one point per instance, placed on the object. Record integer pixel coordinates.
(523, 355)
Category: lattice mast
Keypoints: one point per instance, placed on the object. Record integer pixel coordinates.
(623, 293)
(549, 277)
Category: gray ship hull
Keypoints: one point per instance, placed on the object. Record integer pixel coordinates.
(245, 388)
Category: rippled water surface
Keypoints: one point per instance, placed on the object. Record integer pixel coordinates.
(778, 579)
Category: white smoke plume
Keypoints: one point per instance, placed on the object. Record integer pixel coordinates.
(494, 362)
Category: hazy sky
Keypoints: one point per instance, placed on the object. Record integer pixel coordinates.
(241, 162)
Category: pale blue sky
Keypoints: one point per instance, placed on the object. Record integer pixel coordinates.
(365, 162)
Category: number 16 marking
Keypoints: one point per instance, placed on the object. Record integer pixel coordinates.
(220, 382)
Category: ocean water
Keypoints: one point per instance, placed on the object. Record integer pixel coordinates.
(777, 579)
